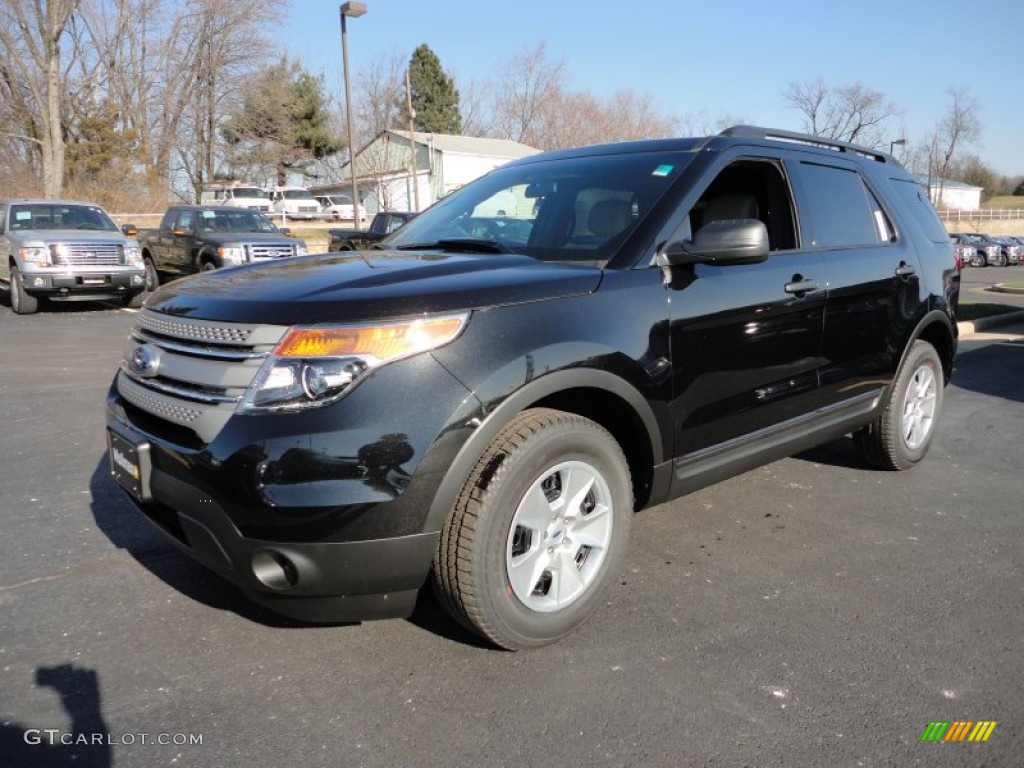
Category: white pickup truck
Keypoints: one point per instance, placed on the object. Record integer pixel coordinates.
(66, 250)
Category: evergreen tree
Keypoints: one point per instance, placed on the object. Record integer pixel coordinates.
(434, 96)
(282, 123)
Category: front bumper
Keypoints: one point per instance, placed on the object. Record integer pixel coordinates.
(84, 285)
(316, 581)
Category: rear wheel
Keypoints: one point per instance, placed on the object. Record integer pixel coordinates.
(539, 531)
(207, 266)
(22, 303)
(903, 433)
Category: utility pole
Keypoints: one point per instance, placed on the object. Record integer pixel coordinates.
(412, 142)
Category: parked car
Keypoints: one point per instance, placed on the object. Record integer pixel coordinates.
(329, 433)
(965, 254)
(197, 238)
(236, 195)
(1012, 250)
(338, 207)
(294, 202)
(66, 250)
(383, 224)
(987, 251)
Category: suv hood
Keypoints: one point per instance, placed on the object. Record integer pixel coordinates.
(332, 288)
(236, 238)
(67, 235)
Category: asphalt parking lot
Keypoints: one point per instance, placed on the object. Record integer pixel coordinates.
(810, 612)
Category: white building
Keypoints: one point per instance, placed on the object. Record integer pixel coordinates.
(953, 195)
(388, 177)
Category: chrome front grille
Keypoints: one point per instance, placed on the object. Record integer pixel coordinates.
(87, 254)
(201, 330)
(198, 370)
(269, 251)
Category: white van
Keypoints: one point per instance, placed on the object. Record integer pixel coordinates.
(294, 202)
(236, 195)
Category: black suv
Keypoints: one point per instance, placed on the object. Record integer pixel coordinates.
(568, 339)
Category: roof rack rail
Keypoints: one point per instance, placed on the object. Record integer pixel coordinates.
(757, 132)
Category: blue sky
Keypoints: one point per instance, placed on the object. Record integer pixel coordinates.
(713, 58)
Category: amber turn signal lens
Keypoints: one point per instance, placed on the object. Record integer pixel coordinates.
(382, 342)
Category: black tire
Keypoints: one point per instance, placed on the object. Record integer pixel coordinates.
(135, 300)
(152, 276)
(494, 530)
(979, 260)
(207, 265)
(1000, 260)
(22, 303)
(901, 436)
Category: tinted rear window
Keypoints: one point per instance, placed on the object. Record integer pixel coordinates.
(913, 196)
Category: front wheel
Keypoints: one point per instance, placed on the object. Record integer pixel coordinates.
(901, 436)
(539, 531)
(152, 276)
(1001, 260)
(22, 302)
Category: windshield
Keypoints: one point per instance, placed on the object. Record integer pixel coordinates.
(569, 209)
(249, 192)
(57, 216)
(235, 220)
(297, 194)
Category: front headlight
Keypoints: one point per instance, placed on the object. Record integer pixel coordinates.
(39, 257)
(301, 249)
(231, 254)
(313, 366)
(133, 255)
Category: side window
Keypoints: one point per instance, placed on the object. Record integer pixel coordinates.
(841, 210)
(185, 221)
(168, 220)
(3, 219)
(915, 199)
(750, 189)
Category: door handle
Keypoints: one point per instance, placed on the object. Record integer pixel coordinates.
(800, 284)
(905, 270)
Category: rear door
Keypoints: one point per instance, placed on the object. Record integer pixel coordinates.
(874, 281)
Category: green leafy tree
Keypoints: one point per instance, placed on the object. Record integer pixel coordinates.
(282, 123)
(435, 99)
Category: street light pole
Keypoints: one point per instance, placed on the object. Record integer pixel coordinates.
(894, 142)
(354, 10)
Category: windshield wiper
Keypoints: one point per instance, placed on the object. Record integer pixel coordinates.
(458, 245)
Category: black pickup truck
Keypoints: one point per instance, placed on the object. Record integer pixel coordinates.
(196, 238)
(383, 224)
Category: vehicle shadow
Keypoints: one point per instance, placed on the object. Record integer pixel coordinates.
(974, 370)
(127, 529)
(85, 743)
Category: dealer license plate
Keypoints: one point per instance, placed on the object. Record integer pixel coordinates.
(129, 464)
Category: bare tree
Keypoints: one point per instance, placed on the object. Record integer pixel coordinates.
(31, 32)
(958, 129)
(530, 82)
(847, 113)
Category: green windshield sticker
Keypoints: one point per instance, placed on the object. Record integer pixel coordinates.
(663, 170)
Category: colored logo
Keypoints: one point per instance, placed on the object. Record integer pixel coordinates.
(958, 730)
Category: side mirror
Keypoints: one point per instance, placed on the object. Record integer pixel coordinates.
(286, 231)
(727, 241)
(130, 230)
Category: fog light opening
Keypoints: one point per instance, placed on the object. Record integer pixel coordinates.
(274, 570)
